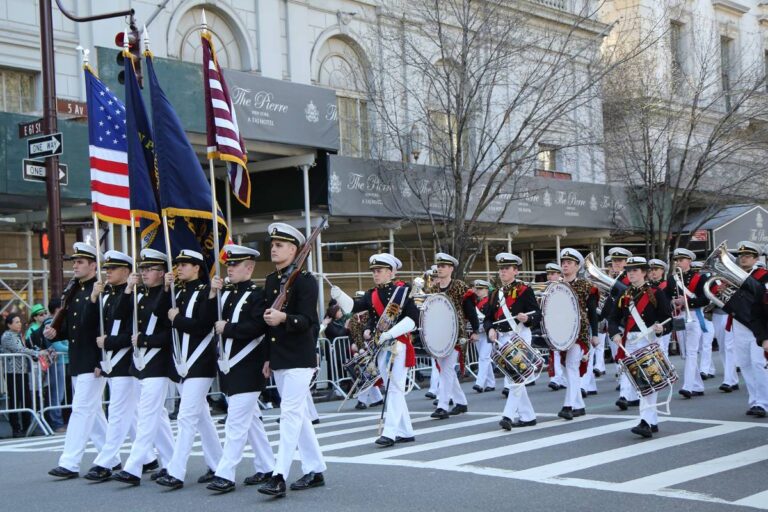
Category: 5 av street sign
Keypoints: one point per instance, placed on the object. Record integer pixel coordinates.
(33, 170)
(45, 146)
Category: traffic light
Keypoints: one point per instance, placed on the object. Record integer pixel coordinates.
(44, 244)
(134, 47)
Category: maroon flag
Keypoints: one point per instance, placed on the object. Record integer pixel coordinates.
(224, 140)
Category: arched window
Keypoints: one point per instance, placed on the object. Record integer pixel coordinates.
(342, 69)
(224, 38)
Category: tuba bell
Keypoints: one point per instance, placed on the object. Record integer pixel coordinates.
(594, 274)
(727, 277)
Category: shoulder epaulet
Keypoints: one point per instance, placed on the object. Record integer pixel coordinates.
(253, 286)
(201, 286)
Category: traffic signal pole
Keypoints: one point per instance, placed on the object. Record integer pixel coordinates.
(50, 125)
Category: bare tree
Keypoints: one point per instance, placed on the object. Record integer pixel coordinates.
(475, 89)
(686, 132)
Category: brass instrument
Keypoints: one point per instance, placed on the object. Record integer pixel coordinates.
(417, 292)
(726, 274)
(602, 281)
(677, 274)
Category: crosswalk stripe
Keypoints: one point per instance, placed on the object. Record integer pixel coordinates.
(695, 471)
(759, 500)
(543, 442)
(608, 456)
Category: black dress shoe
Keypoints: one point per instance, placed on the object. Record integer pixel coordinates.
(697, 393)
(703, 376)
(759, 412)
(642, 429)
(521, 424)
(360, 406)
(505, 392)
(618, 387)
(477, 388)
(126, 478)
(430, 395)
(440, 414)
(316, 421)
(169, 481)
(376, 404)
(579, 412)
(654, 428)
(158, 474)
(98, 474)
(505, 423)
(60, 472)
(553, 386)
(685, 393)
(622, 403)
(598, 373)
(150, 466)
(207, 477)
(591, 393)
(221, 485)
(489, 388)
(118, 467)
(275, 486)
(751, 411)
(257, 478)
(634, 403)
(308, 481)
(735, 387)
(458, 410)
(725, 388)
(386, 442)
(710, 376)
(400, 439)
(566, 413)
(583, 393)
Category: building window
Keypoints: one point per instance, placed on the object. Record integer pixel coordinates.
(341, 69)
(17, 91)
(725, 69)
(547, 157)
(676, 51)
(225, 40)
(443, 139)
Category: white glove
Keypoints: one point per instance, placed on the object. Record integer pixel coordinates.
(404, 326)
(345, 302)
(385, 338)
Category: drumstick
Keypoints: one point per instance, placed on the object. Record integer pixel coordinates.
(505, 320)
(324, 277)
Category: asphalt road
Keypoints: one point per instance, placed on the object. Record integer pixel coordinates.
(708, 456)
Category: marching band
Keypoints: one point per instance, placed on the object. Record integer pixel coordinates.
(143, 330)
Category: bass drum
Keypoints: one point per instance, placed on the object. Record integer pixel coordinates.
(560, 319)
(439, 328)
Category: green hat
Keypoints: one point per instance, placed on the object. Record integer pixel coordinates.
(37, 309)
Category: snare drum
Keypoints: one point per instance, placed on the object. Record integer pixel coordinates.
(560, 318)
(649, 370)
(438, 326)
(518, 360)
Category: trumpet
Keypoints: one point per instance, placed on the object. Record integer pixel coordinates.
(677, 274)
(727, 276)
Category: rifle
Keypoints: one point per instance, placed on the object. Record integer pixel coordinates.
(295, 267)
(66, 297)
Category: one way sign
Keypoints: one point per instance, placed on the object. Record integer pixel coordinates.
(35, 171)
(45, 146)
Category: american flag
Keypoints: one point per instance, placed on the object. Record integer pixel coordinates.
(108, 149)
(224, 140)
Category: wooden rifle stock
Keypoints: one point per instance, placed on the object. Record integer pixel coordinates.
(66, 297)
(296, 266)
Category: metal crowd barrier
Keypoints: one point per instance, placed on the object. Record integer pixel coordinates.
(23, 391)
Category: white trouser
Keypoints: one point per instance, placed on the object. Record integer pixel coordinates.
(485, 377)
(449, 382)
(123, 397)
(599, 352)
(751, 359)
(518, 403)
(370, 396)
(725, 342)
(663, 342)
(243, 424)
(626, 389)
(311, 409)
(573, 393)
(526, 334)
(706, 365)
(434, 377)
(559, 376)
(87, 420)
(194, 416)
(153, 429)
(692, 341)
(295, 425)
(648, 410)
(397, 419)
(588, 380)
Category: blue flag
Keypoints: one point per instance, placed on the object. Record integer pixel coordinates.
(142, 172)
(185, 194)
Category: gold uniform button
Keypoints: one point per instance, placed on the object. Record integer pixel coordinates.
(75, 313)
(295, 320)
(77, 300)
(275, 291)
(273, 339)
(142, 307)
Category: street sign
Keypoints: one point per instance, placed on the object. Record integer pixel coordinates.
(33, 170)
(45, 146)
(71, 108)
(30, 128)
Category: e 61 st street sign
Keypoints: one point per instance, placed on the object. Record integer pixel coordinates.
(45, 146)
(32, 170)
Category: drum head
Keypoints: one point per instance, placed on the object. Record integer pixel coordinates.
(560, 320)
(439, 327)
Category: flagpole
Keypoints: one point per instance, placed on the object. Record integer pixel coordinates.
(104, 359)
(176, 345)
(133, 270)
(216, 249)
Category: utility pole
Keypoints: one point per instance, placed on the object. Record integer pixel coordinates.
(50, 125)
